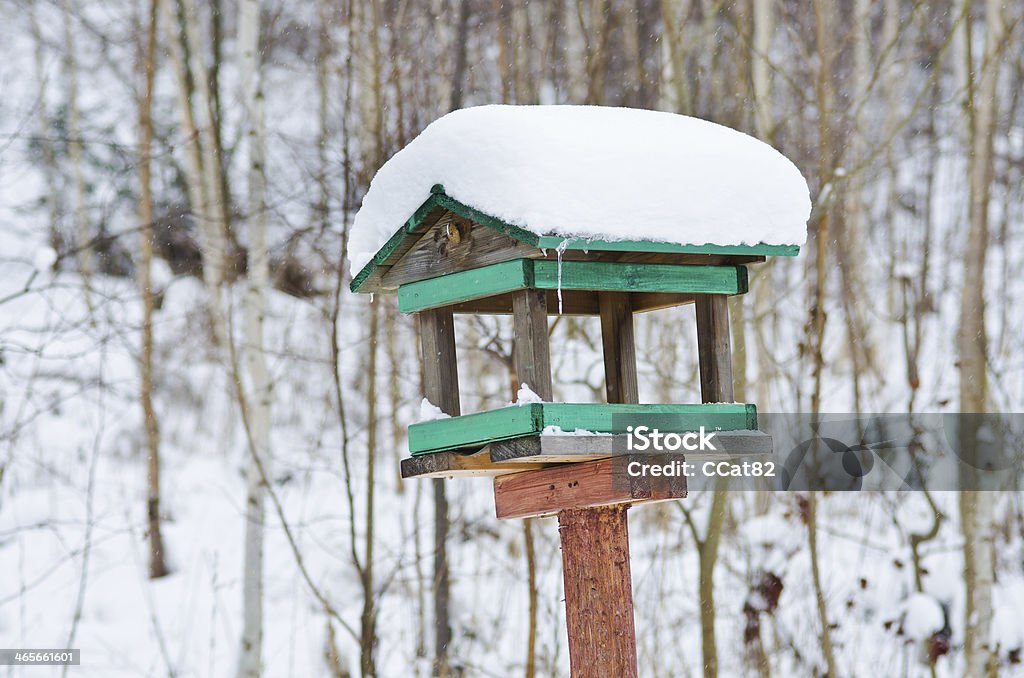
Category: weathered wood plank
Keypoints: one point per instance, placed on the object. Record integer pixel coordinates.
(455, 244)
(713, 349)
(495, 279)
(369, 277)
(531, 351)
(568, 486)
(619, 348)
(480, 428)
(598, 592)
(556, 449)
(455, 464)
(438, 360)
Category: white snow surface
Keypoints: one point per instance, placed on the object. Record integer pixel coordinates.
(431, 412)
(923, 616)
(527, 396)
(555, 430)
(592, 172)
(44, 259)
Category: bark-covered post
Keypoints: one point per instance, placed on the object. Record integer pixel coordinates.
(598, 591)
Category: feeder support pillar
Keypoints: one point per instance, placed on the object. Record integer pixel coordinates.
(598, 591)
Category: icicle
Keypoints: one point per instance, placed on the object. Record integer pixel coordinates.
(558, 251)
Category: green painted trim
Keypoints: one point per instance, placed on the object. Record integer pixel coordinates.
(478, 429)
(606, 276)
(438, 197)
(488, 281)
(476, 283)
(455, 432)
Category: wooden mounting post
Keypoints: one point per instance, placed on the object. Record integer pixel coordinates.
(440, 387)
(598, 591)
(440, 369)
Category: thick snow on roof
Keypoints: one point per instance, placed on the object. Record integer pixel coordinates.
(592, 172)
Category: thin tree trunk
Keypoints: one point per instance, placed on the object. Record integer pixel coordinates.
(823, 37)
(458, 84)
(819, 589)
(707, 556)
(83, 237)
(531, 585)
(198, 200)
(50, 171)
(708, 550)
(976, 508)
(211, 222)
(764, 29)
(249, 662)
(157, 562)
(368, 616)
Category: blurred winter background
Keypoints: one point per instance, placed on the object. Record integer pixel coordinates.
(175, 329)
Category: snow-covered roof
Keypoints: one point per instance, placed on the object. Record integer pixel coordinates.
(592, 172)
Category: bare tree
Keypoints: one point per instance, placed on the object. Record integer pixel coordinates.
(83, 236)
(249, 663)
(157, 561)
(976, 508)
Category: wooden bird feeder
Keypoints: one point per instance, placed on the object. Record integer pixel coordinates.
(450, 258)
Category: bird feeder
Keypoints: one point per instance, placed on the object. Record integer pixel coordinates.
(453, 256)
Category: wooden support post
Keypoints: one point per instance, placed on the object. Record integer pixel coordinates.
(619, 347)
(532, 354)
(713, 348)
(598, 592)
(441, 387)
(440, 369)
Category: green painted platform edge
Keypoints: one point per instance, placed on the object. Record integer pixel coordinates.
(480, 428)
(455, 432)
(438, 197)
(608, 276)
(487, 281)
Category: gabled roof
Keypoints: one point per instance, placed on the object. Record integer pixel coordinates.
(369, 278)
